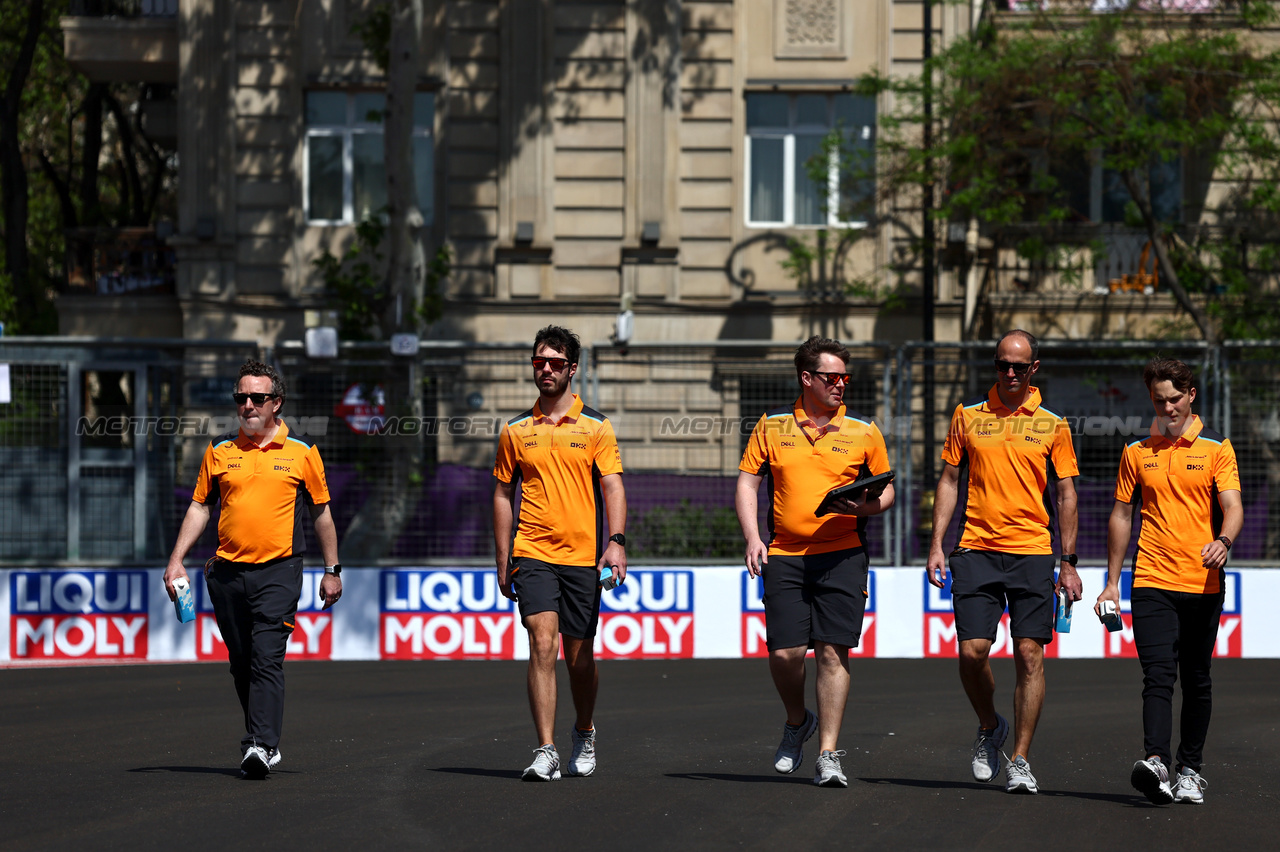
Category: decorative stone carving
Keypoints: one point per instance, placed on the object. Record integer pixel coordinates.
(810, 29)
(812, 22)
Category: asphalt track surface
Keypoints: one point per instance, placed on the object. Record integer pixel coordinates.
(428, 755)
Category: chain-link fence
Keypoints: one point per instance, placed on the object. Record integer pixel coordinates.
(101, 442)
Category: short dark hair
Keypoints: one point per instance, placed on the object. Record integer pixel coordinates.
(559, 339)
(1026, 335)
(1161, 369)
(256, 368)
(807, 355)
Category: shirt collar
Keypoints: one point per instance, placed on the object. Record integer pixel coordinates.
(1188, 435)
(803, 418)
(245, 442)
(574, 412)
(1029, 406)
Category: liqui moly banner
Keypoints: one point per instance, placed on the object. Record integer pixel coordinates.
(99, 616)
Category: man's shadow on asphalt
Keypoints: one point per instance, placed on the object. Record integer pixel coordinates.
(473, 770)
(199, 770)
(742, 779)
(933, 784)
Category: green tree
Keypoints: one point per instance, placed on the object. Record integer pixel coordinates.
(1028, 102)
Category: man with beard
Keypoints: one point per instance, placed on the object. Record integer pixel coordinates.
(1185, 478)
(263, 477)
(815, 568)
(564, 458)
(1002, 451)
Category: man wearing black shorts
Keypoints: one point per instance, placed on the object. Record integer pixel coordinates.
(564, 459)
(815, 568)
(1002, 451)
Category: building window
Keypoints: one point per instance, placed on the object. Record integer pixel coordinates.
(784, 131)
(345, 179)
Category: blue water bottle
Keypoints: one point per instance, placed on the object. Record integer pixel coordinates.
(1064, 611)
(184, 602)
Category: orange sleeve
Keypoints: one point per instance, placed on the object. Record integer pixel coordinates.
(877, 454)
(756, 455)
(608, 457)
(953, 447)
(1127, 476)
(1226, 474)
(504, 466)
(204, 480)
(1063, 453)
(313, 476)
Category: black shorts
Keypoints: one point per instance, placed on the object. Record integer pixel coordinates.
(815, 598)
(573, 591)
(983, 582)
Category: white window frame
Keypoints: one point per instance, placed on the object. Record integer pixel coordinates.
(788, 136)
(347, 132)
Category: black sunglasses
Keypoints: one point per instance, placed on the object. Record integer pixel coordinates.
(258, 398)
(1006, 366)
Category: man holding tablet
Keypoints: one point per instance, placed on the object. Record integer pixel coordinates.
(815, 567)
(1002, 453)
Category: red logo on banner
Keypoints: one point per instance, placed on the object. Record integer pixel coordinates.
(754, 636)
(78, 615)
(311, 638)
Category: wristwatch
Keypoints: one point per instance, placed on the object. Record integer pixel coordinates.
(619, 538)
(1226, 542)
(335, 569)
(1070, 558)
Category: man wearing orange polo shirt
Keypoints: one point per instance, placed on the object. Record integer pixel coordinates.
(263, 477)
(1185, 478)
(564, 459)
(815, 568)
(1002, 453)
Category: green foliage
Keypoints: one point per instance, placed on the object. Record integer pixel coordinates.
(374, 33)
(356, 283)
(686, 532)
(1030, 99)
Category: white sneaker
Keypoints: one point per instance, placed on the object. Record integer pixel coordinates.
(790, 753)
(1019, 778)
(583, 759)
(545, 766)
(986, 750)
(1150, 778)
(827, 771)
(1190, 787)
(256, 762)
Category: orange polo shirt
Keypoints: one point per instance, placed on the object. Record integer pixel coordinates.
(262, 491)
(1006, 459)
(558, 465)
(1178, 483)
(802, 463)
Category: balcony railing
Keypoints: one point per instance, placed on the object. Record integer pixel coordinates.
(124, 8)
(117, 262)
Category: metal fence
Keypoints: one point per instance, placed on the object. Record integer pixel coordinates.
(102, 440)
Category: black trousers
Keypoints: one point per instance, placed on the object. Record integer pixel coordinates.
(1175, 632)
(255, 606)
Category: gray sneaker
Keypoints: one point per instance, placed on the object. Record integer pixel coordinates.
(790, 752)
(986, 750)
(1019, 778)
(583, 759)
(256, 763)
(827, 771)
(1150, 778)
(1190, 787)
(545, 766)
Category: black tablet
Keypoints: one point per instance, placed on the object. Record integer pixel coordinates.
(873, 485)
